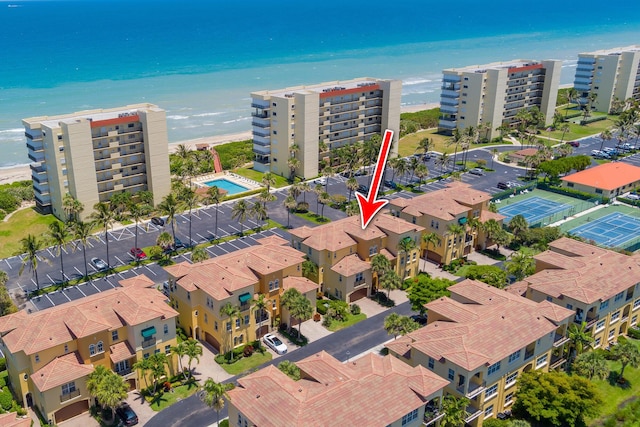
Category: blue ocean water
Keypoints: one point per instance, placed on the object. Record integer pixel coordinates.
(200, 59)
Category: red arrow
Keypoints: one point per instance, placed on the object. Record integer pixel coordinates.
(369, 206)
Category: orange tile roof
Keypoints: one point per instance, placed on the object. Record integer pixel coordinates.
(350, 265)
(584, 272)
(11, 420)
(221, 276)
(387, 254)
(302, 284)
(484, 325)
(121, 351)
(372, 390)
(486, 215)
(139, 281)
(64, 323)
(607, 176)
(61, 370)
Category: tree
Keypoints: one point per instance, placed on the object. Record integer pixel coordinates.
(170, 206)
(103, 216)
(95, 378)
(605, 135)
(520, 265)
(58, 235)
(405, 247)
(556, 399)
(240, 212)
(268, 180)
(564, 128)
(301, 310)
(82, 233)
(30, 246)
(390, 281)
(214, 197)
(136, 213)
(72, 207)
(144, 366)
(112, 391)
(580, 338)
(502, 238)
(518, 225)
(179, 351)
(165, 241)
(456, 230)
(352, 185)
(290, 369)
(265, 197)
(421, 172)
(591, 364)
(193, 351)
(158, 369)
(190, 199)
(309, 268)
(232, 312)
(489, 274)
(259, 212)
(199, 254)
(626, 353)
(260, 305)
(289, 203)
(380, 264)
(288, 300)
(6, 303)
(215, 395)
(293, 164)
(424, 289)
(323, 199)
(455, 411)
(396, 324)
(430, 238)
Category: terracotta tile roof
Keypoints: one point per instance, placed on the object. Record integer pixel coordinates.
(584, 272)
(484, 325)
(139, 281)
(302, 284)
(221, 276)
(350, 265)
(387, 254)
(486, 215)
(607, 176)
(369, 391)
(11, 420)
(61, 370)
(273, 240)
(121, 351)
(518, 288)
(103, 311)
(445, 204)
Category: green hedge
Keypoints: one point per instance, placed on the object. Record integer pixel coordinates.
(573, 115)
(571, 192)
(628, 201)
(244, 194)
(634, 333)
(592, 120)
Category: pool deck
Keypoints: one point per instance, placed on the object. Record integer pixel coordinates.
(249, 184)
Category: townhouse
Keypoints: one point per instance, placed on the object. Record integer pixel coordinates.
(438, 211)
(199, 292)
(342, 250)
(601, 287)
(50, 353)
(370, 391)
(481, 339)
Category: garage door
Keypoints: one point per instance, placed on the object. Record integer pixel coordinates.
(71, 411)
(212, 340)
(359, 294)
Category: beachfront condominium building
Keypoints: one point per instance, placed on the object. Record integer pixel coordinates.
(50, 353)
(309, 122)
(453, 214)
(600, 286)
(95, 154)
(201, 291)
(608, 75)
(491, 95)
(481, 339)
(342, 250)
(370, 391)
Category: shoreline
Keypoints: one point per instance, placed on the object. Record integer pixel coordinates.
(23, 172)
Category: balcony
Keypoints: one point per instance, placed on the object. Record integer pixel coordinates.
(446, 93)
(432, 416)
(261, 106)
(149, 342)
(473, 390)
(35, 145)
(124, 372)
(557, 361)
(37, 156)
(558, 340)
(473, 413)
(591, 320)
(261, 124)
(528, 354)
(69, 396)
(449, 109)
(259, 149)
(38, 168)
(447, 124)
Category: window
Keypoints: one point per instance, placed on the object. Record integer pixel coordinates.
(276, 284)
(114, 335)
(215, 325)
(210, 302)
(570, 306)
(611, 334)
(167, 349)
(600, 325)
(37, 358)
(166, 328)
(206, 318)
(488, 412)
(237, 323)
(68, 388)
(92, 349)
(410, 417)
(634, 320)
(599, 191)
(146, 355)
(597, 342)
(511, 379)
(156, 351)
(271, 286)
(359, 277)
(452, 374)
(66, 348)
(570, 184)
(491, 391)
(228, 326)
(619, 297)
(130, 125)
(508, 400)
(431, 362)
(100, 347)
(604, 304)
(373, 250)
(493, 368)
(542, 360)
(514, 356)
(636, 303)
(615, 316)
(246, 319)
(550, 299)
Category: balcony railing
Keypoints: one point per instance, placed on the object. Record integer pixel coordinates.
(473, 390)
(69, 396)
(473, 414)
(149, 342)
(528, 354)
(431, 417)
(556, 361)
(558, 340)
(124, 372)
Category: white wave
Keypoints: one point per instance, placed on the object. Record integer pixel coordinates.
(415, 81)
(236, 120)
(16, 130)
(177, 117)
(417, 92)
(207, 114)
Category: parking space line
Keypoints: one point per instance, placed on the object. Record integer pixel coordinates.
(109, 282)
(204, 239)
(119, 260)
(80, 289)
(46, 295)
(204, 211)
(52, 281)
(231, 244)
(223, 249)
(152, 272)
(50, 253)
(96, 288)
(231, 226)
(65, 295)
(79, 272)
(10, 268)
(206, 249)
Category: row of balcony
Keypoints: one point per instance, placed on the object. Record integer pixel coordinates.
(99, 133)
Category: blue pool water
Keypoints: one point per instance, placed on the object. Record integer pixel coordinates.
(230, 187)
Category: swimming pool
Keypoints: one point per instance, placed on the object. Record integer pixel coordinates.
(224, 184)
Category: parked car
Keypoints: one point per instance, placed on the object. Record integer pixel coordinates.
(99, 264)
(157, 221)
(127, 415)
(137, 253)
(633, 196)
(476, 171)
(599, 154)
(177, 243)
(513, 184)
(420, 319)
(503, 186)
(390, 184)
(574, 143)
(363, 189)
(625, 146)
(275, 343)
(321, 181)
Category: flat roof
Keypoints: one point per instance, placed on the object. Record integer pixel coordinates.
(614, 50)
(97, 114)
(516, 63)
(337, 85)
(607, 176)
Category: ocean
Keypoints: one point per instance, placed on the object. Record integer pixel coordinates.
(200, 60)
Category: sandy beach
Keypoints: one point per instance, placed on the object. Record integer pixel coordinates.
(23, 173)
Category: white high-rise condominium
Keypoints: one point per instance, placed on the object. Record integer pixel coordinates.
(308, 122)
(95, 154)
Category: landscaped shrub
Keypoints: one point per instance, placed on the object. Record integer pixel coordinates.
(8, 202)
(302, 207)
(592, 120)
(322, 306)
(248, 350)
(355, 309)
(3, 364)
(634, 333)
(6, 398)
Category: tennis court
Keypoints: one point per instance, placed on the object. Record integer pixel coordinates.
(612, 230)
(533, 209)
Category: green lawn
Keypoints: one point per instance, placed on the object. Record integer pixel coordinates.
(257, 176)
(409, 143)
(351, 320)
(21, 223)
(165, 399)
(313, 217)
(614, 395)
(247, 363)
(578, 131)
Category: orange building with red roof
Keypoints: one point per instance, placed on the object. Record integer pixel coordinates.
(606, 180)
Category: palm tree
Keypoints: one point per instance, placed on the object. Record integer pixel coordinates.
(104, 217)
(425, 145)
(215, 394)
(82, 233)
(30, 246)
(59, 234)
(265, 196)
(232, 312)
(318, 189)
(95, 379)
(518, 225)
(421, 172)
(309, 268)
(259, 212)
(520, 265)
(352, 185)
(214, 197)
(159, 362)
(390, 281)
(414, 162)
(170, 206)
(240, 211)
(304, 187)
(323, 199)
(165, 241)
(580, 338)
(193, 351)
(190, 198)
(430, 238)
(491, 228)
(183, 152)
(112, 391)
(456, 138)
(401, 167)
(456, 230)
(288, 300)
(405, 246)
(626, 353)
(301, 310)
(180, 350)
(199, 254)
(455, 410)
(327, 172)
(605, 135)
(289, 204)
(144, 366)
(380, 264)
(591, 364)
(260, 305)
(564, 128)
(352, 208)
(293, 164)
(72, 207)
(443, 161)
(268, 180)
(572, 95)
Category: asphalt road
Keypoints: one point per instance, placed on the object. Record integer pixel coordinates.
(356, 339)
